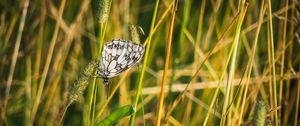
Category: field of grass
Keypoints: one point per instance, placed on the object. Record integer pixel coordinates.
(206, 62)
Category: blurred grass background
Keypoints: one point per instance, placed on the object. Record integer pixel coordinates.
(219, 62)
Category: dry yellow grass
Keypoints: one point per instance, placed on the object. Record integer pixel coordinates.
(225, 57)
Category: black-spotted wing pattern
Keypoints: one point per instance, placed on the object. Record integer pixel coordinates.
(118, 56)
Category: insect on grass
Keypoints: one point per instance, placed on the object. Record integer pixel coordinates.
(117, 56)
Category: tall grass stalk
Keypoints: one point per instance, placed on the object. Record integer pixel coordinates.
(250, 64)
(212, 103)
(139, 87)
(28, 89)
(232, 64)
(291, 32)
(273, 60)
(197, 51)
(92, 103)
(38, 56)
(180, 96)
(15, 55)
(160, 20)
(186, 14)
(283, 55)
(102, 11)
(59, 62)
(166, 67)
(94, 98)
(47, 63)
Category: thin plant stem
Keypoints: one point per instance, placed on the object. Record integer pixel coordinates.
(63, 114)
(139, 88)
(47, 63)
(232, 64)
(15, 54)
(252, 59)
(273, 61)
(221, 78)
(167, 60)
(176, 101)
(102, 30)
(163, 16)
(283, 55)
(91, 100)
(94, 104)
(184, 22)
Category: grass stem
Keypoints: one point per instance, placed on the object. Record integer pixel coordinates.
(249, 66)
(15, 54)
(139, 88)
(167, 60)
(273, 61)
(47, 63)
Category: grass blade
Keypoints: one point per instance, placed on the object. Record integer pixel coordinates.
(117, 115)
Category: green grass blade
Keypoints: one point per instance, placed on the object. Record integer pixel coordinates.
(139, 88)
(117, 115)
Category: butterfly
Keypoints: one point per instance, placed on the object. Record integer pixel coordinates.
(118, 56)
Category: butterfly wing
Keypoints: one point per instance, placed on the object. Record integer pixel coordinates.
(118, 56)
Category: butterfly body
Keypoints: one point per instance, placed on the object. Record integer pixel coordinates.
(118, 56)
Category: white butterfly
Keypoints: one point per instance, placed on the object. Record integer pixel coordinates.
(118, 56)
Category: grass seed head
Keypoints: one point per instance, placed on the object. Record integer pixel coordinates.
(101, 10)
(81, 83)
(260, 115)
(135, 32)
